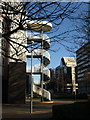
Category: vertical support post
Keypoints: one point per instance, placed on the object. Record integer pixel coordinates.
(31, 78)
(73, 82)
(42, 66)
(1, 72)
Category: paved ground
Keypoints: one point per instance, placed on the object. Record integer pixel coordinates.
(40, 110)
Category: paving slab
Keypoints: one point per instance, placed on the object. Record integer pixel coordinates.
(40, 109)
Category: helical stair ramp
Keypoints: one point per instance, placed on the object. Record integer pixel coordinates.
(40, 27)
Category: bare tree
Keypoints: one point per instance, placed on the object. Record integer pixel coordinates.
(82, 26)
(19, 12)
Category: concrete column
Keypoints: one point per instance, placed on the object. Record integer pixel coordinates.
(73, 80)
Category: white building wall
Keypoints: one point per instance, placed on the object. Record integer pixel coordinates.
(19, 39)
(71, 62)
(73, 80)
(17, 49)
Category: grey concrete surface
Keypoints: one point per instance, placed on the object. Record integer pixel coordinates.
(40, 110)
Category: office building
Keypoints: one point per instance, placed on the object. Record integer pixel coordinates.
(68, 75)
(57, 78)
(83, 68)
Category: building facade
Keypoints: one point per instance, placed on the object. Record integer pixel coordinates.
(58, 80)
(13, 59)
(13, 71)
(4, 51)
(83, 68)
(68, 75)
(52, 86)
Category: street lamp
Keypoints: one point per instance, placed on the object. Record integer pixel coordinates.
(31, 80)
(42, 66)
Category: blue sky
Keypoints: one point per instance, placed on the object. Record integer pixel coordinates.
(63, 52)
(60, 50)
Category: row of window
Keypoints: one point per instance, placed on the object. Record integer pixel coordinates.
(82, 57)
(84, 65)
(82, 70)
(81, 51)
(82, 62)
(83, 48)
(87, 61)
(80, 75)
(79, 79)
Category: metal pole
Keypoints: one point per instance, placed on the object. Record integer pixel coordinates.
(1, 73)
(42, 66)
(31, 77)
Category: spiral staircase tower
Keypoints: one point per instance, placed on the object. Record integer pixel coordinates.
(40, 27)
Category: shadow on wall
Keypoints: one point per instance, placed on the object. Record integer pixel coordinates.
(17, 82)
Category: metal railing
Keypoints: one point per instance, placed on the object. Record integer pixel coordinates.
(38, 90)
(38, 36)
(40, 26)
(37, 68)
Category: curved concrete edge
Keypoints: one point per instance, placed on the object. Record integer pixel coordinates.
(38, 26)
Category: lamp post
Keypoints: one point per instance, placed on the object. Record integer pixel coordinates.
(42, 66)
(1, 75)
(31, 80)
